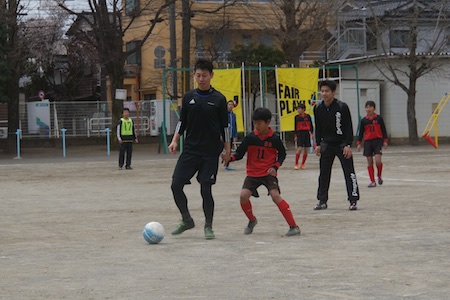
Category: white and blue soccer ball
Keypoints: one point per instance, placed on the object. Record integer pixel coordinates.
(153, 232)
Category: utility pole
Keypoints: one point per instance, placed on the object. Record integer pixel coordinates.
(173, 49)
(186, 39)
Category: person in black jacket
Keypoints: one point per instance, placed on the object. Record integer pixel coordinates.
(204, 120)
(334, 137)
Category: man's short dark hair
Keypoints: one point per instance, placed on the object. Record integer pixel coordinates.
(230, 101)
(125, 109)
(262, 113)
(203, 64)
(328, 83)
(302, 106)
(371, 103)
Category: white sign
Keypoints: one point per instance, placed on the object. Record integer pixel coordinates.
(121, 94)
(39, 117)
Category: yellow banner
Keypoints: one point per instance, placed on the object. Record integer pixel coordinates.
(228, 82)
(295, 86)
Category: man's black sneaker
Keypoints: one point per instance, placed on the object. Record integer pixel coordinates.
(129, 168)
(183, 226)
(321, 205)
(380, 181)
(250, 226)
(353, 206)
(295, 230)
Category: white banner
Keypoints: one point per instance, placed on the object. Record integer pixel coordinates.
(39, 117)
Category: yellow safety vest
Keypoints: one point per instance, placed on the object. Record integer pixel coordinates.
(127, 127)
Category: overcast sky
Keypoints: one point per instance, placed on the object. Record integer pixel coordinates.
(36, 8)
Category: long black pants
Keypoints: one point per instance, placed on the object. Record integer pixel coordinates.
(128, 148)
(328, 153)
(206, 168)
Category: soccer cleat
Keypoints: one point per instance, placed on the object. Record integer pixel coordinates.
(295, 230)
(296, 167)
(120, 168)
(303, 167)
(380, 181)
(183, 226)
(209, 233)
(229, 168)
(372, 184)
(353, 206)
(129, 168)
(321, 205)
(250, 226)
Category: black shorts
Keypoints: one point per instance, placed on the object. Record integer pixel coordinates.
(253, 183)
(372, 147)
(303, 139)
(188, 164)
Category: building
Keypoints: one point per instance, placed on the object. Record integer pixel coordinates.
(377, 36)
(216, 30)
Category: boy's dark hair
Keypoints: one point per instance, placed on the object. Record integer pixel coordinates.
(302, 106)
(203, 64)
(125, 109)
(370, 103)
(328, 83)
(262, 113)
(230, 101)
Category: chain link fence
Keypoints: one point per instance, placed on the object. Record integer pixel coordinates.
(90, 118)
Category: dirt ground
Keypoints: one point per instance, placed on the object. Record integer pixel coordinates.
(71, 229)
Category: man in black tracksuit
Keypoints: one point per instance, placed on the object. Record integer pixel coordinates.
(334, 137)
(204, 119)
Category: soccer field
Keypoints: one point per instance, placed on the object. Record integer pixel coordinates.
(71, 229)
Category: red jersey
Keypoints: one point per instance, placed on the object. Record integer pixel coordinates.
(264, 152)
(372, 128)
(303, 123)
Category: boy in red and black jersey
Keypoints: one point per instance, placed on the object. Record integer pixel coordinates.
(265, 154)
(373, 130)
(303, 131)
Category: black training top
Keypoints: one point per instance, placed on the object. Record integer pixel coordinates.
(333, 123)
(204, 116)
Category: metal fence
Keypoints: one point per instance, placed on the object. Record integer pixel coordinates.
(82, 118)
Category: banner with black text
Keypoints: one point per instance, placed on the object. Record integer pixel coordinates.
(295, 86)
(229, 83)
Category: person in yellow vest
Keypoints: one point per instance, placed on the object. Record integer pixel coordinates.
(126, 135)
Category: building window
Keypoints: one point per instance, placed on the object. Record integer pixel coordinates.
(160, 63)
(132, 7)
(400, 38)
(135, 57)
(151, 96)
(246, 39)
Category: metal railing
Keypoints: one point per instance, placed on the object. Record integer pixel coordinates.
(97, 126)
(351, 38)
(80, 119)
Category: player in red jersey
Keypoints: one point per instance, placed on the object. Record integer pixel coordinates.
(373, 130)
(265, 155)
(303, 128)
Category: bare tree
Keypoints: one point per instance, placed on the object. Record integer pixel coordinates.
(301, 24)
(109, 24)
(187, 13)
(10, 14)
(420, 51)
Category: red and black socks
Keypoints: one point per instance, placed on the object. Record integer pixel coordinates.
(247, 209)
(371, 173)
(285, 210)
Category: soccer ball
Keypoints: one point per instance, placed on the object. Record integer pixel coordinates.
(153, 232)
